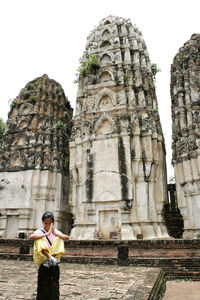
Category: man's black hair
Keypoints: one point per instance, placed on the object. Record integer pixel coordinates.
(47, 215)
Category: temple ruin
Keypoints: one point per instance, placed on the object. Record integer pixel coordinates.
(104, 174)
(185, 96)
(117, 151)
(34, 159)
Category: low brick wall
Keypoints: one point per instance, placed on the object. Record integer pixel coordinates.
(16, 246)
(92, 248)
(159, 253)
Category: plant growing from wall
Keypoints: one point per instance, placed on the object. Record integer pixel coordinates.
(58, 125)
(12, 102)
(155, 70)
(90, 66)
(2, 127)
(59, 90)
(66, 161)
(33, 97)
(155, 110)
(126, 77)
(131, 127)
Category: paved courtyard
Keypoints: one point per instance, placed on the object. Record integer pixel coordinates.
(18, 280)
(183, 290)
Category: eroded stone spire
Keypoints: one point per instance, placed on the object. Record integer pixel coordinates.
(38, 128)
(185, 96)
(117, 156)
(34, 159)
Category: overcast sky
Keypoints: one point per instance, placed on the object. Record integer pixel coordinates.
(49, 36)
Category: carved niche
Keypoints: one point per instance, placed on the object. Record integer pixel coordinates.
(106, 58)
(105, 77)
(105, 124)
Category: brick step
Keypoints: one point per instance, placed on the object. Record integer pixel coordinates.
(16, 256)
(181, 264)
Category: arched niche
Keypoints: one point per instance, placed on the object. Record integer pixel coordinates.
(105, 33)
(105, 101)
(20, 141)
(16, 161)
(22, 124)
(105, 126)
(107, 22)
(25, 108)
(105, 77)
(106, 58)
(109, 94)
(106, 196)
(105, 44)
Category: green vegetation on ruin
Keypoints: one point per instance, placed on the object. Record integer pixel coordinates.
(90, 66)
(155, 70)
(2, 127)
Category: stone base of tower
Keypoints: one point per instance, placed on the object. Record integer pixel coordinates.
(135, 231)
(14, 222)
(188, 195)
(25, 196)
(191, 234)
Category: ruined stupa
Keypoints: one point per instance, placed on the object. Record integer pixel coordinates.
(34, 159)
(117, 152)
(185, 96)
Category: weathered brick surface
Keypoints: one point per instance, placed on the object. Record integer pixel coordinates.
(18, 280)
(164, 252)
(146, 253)
(93, 250)
(182, 290)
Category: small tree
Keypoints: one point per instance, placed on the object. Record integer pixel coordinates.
(90, 66)
(155, 70)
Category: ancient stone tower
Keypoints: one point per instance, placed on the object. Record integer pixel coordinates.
(117, 154)
(185, 96)
(34, 159)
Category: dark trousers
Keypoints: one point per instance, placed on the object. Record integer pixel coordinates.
(48, 283)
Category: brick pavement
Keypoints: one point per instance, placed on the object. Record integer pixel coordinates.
(183, 290)
(18, 280)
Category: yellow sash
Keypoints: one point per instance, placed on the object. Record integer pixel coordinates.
(57, 249)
